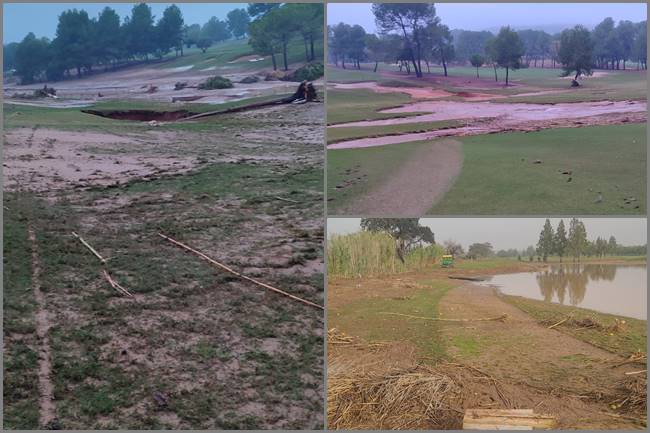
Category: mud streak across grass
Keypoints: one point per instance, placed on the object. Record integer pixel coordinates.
(46, 388)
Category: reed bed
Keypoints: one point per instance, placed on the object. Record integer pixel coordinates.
(416, 398)
(367, 254)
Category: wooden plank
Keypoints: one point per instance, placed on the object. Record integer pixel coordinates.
(506, 419)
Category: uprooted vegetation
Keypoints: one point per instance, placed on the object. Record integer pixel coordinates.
(216, 82)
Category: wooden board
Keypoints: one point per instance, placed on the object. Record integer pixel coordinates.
(506, 419)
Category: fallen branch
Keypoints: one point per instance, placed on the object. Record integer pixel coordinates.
(92, 250)
(114, 284)
(559, 323)
(501, 318)
(286, 199)
(232, 271)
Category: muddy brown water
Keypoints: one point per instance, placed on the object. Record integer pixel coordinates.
(614, 289)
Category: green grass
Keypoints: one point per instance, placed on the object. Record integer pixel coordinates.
(335, 135)
(372, 165)
(340, 75)
(630, 339)
(468, 346)
(219, 55)
(361, 104)
(20, 357)
(484, 264)
(614, 85)
(363, 318)
(499, 177)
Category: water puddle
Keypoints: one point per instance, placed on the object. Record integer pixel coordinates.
(614, 289)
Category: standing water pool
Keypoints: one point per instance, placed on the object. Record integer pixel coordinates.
(613, 289)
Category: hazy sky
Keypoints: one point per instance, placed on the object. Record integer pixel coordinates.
(481, 16)
(505, 233)
(18, 19)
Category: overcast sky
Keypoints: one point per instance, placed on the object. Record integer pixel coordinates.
(18, 19)
(506, 233)
(482, 16)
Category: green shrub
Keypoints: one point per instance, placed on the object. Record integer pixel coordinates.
(216, 82)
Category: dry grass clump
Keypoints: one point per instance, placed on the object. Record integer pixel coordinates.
(334, 337)
(637, 397)
(416, 398)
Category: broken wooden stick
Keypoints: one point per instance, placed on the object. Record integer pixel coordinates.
(114, 284)
(232, 271)
(631, 373)
(559, 323)
(92, 250)
(501, 318)
(286, 199)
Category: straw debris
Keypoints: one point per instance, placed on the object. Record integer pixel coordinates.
(414, 398)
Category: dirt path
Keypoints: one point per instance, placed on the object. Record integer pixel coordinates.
(47, 409)
(417, 184)
(546, 369)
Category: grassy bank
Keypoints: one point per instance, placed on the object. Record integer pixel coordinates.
(366, 254)
(366, 318)
(600, 329)
(225, 55)
(499, 176)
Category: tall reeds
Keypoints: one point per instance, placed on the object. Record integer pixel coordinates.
(365, 254)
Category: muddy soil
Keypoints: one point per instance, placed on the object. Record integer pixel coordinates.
(405, 195)
(194, 348)
(46, 160)
(581, 380)
(486, 118)
(134, 83)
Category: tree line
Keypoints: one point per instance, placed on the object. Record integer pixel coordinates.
(83, 43)
(574, 243)
(411, 34)
(276, 25)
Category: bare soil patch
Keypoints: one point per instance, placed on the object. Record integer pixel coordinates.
(578, 378)
(48, 160)
(47, 408)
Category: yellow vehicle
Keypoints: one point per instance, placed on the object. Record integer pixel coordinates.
(447, 261)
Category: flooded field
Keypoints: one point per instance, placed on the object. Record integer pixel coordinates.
(614, 289)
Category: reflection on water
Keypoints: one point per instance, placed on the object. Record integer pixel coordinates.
(608, 288)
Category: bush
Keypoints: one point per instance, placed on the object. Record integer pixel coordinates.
(216, 82)
(308, 72)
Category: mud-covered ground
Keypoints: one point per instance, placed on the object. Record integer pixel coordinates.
(195, 347)
(518, 362)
